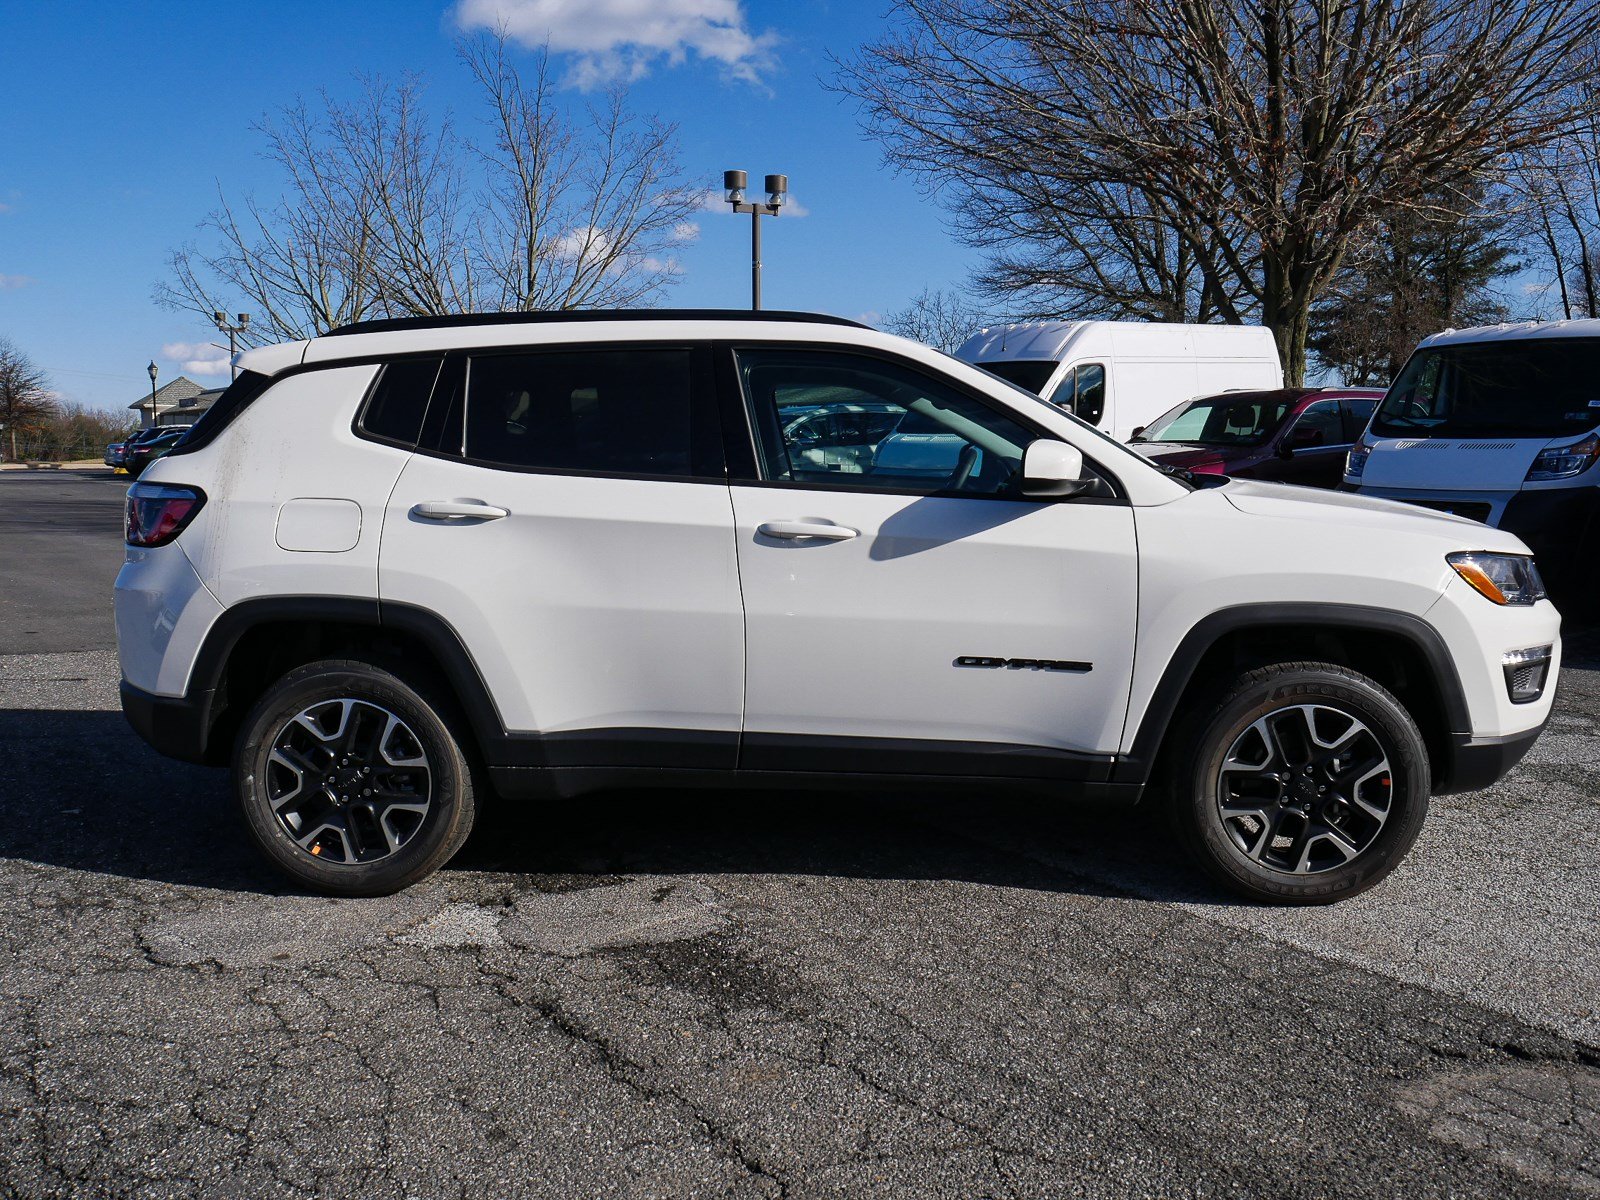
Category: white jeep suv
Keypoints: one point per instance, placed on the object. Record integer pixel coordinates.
(411, 562)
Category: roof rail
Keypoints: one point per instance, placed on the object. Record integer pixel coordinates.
(458, 320)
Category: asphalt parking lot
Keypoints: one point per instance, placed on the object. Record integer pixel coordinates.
(756, 995)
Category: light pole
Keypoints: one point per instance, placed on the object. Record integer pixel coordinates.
(733, 184)
(239, 325)
(155, 417)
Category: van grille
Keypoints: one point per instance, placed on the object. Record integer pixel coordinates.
(1475, 510)
(1488, 445)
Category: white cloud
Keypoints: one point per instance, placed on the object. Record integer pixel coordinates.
(871, 317)
(12, 282)
(686, 232)
(197, 358)
(623, 39)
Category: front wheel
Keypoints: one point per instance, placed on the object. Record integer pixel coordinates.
(1300, 783)
(351, 781)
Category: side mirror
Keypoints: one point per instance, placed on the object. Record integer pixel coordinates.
(1299, 439)
(1138, 432)
(1052, 470)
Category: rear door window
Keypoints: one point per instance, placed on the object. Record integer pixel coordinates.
(623, 411)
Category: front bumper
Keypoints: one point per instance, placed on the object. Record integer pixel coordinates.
(1475, 763)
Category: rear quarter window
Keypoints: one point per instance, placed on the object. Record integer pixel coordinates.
(399, 399)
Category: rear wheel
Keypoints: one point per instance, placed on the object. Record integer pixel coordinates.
(1301, 783)
(351, 780)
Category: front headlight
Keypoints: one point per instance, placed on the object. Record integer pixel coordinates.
(1503, 578)
(1563, 462)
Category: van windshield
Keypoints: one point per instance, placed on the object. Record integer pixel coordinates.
(1029, 373)
(1538, 388)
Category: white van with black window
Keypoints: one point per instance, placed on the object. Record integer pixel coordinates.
(1500, 424)
(1121, 375)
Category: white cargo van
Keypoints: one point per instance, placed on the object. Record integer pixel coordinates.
(1500, 424)
(1121, 375)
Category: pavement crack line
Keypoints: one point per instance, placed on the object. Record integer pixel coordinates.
(632, 1075)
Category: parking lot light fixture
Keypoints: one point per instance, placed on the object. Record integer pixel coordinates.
(734, 185)
(154, 371)
(233, 328)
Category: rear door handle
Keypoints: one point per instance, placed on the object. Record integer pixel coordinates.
(458, 510)
(825, 531)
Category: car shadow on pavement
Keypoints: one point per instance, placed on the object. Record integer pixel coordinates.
(80, 791)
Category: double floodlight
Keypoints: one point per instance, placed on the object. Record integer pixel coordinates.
(736, 183)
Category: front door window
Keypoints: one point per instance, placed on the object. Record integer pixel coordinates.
(831, 418)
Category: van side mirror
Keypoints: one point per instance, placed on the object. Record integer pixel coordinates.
(1138, 432)
(1052, 470)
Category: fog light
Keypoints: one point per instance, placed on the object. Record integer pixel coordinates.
(1526, 672)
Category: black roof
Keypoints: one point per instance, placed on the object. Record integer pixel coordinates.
(457, 320)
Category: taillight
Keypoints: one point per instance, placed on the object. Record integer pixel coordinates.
(158, 512)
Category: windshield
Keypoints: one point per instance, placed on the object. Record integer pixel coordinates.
(1537, 388)
(1029, 373)
(1237, 419)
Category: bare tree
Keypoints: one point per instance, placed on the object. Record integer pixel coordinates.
(941, 319)
(389, 212)
(1262, 135)
(26, 403)
(1559, 186)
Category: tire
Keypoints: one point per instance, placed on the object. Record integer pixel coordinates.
(351, 780)
(1341, 787)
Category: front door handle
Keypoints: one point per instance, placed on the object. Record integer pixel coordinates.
(792, 531)
(458, 510)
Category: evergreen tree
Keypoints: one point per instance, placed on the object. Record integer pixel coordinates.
(1416, 272)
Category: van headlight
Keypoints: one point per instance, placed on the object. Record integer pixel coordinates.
(1563, 462)
(1503, 578)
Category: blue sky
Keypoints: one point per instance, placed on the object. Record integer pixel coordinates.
(120, 119)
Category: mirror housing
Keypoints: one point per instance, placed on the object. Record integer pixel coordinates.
(1299, 439)
(1053, 470)
(1138, 432)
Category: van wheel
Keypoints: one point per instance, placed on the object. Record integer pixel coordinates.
(351, 781)
(1300, 783)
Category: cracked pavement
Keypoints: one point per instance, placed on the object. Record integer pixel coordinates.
(680, 995)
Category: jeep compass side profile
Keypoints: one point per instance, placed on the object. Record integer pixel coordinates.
(412, 562)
